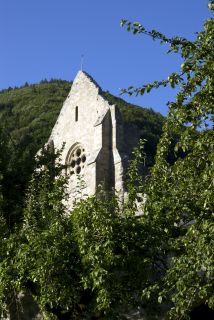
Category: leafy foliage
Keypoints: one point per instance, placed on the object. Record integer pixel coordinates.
(47, 263)
(179, 206)
(111, 246)
(88, 264)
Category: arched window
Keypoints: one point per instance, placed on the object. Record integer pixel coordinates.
(76, 113)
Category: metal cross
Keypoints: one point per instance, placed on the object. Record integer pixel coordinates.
(82, 60)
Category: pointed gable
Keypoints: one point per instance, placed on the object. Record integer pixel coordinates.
(87, 125)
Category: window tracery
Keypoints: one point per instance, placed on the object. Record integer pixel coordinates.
(76, 160)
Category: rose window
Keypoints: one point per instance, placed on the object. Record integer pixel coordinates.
(76, 160)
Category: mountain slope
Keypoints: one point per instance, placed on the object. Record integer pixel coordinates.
(29, 113)
(27, 116)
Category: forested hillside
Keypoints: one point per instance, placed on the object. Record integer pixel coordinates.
(27, 115)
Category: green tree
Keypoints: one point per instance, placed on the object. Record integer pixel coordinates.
(112, 247)
(84, 264)
(180, 196)
(4, 232)
(48, 262)
(87, 264)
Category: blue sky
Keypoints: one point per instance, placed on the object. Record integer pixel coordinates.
(46, 38)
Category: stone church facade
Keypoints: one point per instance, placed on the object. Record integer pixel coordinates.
(92, 133)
